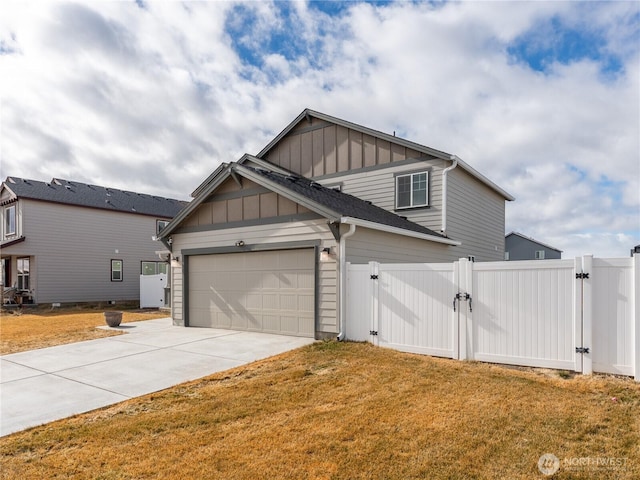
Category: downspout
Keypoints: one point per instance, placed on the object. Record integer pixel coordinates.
(342, 275)
(454, 159)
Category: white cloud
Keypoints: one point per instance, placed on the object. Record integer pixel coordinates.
(154, 99)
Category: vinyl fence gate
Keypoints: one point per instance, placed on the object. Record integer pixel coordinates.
(581, 315)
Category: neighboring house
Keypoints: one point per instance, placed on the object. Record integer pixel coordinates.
(264, 243)
(635, 250)
(521, 247)
(66, 241)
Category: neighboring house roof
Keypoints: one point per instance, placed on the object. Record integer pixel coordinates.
(93, 196)
(390, 138)
(532, 240)
(334, 205)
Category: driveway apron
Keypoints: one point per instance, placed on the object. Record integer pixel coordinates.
(40, 386)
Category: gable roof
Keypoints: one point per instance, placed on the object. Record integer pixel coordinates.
(92, 196)
(518, 234)
(342, 204)
(389, 138)
(337, 207)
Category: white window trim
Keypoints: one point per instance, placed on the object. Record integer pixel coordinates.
(121, 270)
(158, 222)
(411, 175)
(7, 232)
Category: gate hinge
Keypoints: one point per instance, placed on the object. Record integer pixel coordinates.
(374, 277)
(373, 332)
(582, 349)
(582, 275)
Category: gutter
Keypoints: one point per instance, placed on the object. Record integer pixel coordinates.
(454, 159)
(342, 274)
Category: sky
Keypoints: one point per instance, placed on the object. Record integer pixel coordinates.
(543, 98)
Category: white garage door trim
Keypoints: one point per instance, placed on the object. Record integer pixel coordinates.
(268, 307)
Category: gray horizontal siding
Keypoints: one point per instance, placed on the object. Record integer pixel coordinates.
(475, 216)
(72, 247)
(378, 187)
(370, 245)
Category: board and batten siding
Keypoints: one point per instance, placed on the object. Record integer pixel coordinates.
(71, 249)
(475, 216)
(322, 148)
(263, 236)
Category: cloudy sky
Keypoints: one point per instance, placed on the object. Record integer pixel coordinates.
(541, 97)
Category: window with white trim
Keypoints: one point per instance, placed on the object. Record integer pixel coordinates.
(160, 224)
(153, 268)
(539, 255)
(412, 190)
(10, 221)
(23, 273)
(116, 270)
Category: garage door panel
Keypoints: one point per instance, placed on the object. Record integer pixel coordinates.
(306, 303)
(271, 291)
(269, 280)
(222, 319)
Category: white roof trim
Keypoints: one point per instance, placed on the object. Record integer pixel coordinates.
(398, 231)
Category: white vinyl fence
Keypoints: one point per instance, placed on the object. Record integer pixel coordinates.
(581, 314)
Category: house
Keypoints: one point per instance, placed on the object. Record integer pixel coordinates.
(520, 247)
(66, 241)
(264, 243)
(635, 250)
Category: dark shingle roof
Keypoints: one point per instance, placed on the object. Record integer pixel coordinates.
(94, 196)
(342, 203)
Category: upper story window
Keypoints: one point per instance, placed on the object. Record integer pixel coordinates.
(10, 221)
(160, 224)
(412, 190)
(539, 255)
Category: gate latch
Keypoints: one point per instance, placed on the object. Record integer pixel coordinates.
(582, 349)
(582, 275)
(462, 296)
(373, 332)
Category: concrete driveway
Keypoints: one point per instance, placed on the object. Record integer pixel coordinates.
(48, 384)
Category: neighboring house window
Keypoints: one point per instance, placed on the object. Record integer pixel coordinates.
(506, 255)
(412, 190)
(160, 224)
(23, 274)
(539, 255)
(10, 221)
(116, 270)
(154, 268)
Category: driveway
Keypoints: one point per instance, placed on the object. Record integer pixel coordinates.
(48, 384)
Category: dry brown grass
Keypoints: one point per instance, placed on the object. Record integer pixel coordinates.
(342, 411)
(41, 328)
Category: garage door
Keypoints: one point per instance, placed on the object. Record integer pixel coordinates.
(269, 291)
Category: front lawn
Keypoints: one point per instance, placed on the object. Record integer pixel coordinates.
(343, 411)
(39, 328)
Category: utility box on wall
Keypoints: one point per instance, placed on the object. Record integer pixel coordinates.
(152, 290)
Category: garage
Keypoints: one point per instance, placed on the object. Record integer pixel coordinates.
(264, 291)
